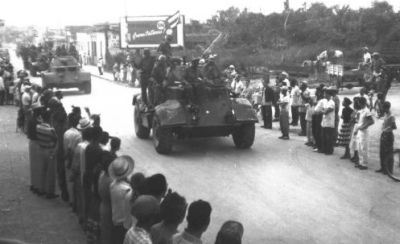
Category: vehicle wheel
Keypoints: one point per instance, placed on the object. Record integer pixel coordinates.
(141, 131)
(162, 137)
(393, 170)
(243, 136)
(87, 88)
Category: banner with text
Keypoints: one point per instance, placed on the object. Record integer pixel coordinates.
(150, 31)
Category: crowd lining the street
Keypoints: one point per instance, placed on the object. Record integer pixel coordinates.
(113, 202)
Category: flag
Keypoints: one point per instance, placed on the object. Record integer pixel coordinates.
(173, 20)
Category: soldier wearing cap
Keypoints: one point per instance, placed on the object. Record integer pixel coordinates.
(146, 66)
(165, 47)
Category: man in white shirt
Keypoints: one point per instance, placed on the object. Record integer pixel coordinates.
(71, 139)
(361, 130)
(237, 86)
(295, 101)
(328, 122)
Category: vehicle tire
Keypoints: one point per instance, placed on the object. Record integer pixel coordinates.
(243, 136)
(87, 88)
(141, 131)
(394, 172)
(162, 137)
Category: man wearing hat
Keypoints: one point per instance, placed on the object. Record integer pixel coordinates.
(79, 165)
(284, 113)
(211, 70)
(145, 209)
(158, 75)
(165, 47)
(120, 170)
(71, 139)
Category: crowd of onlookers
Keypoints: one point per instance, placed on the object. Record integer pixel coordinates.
(319, 118)
(113, 203)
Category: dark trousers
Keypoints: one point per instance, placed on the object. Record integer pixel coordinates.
(295, 115)
(277, 111)
(2, 96)
(144, 84)
(266, 111)
(386, 151)
(118, 234)
(100, 70)
(316, 130)
(303, 122)
(328, 137)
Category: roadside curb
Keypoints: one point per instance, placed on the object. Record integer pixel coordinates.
(112, 81)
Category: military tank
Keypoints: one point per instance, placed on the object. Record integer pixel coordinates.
(65, 72)
(215, 113)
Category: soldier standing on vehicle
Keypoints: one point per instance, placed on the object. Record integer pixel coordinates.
(211, 71)
(165, 47)
(146, 65)
(158, 75)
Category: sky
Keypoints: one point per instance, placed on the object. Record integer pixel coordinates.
(58, 13)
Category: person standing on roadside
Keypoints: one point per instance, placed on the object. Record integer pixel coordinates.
(387, 140)
(100, 65)
(47, 140)
(267, 98)
(295, 102)
(304, 96)
(345, 131)
(71, 139)
(284, 113)
(328, 122)
(35, 161)
(362, 131)
(3, 89)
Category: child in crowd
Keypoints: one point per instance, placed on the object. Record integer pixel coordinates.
(345, 131)
(378, 105)
(353, 144)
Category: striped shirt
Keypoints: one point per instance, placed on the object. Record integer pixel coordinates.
(46, 136)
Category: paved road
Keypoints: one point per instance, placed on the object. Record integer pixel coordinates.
(280, 190)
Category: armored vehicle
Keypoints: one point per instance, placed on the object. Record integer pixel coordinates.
(65, 72)
(39, 65)
(215, 113)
